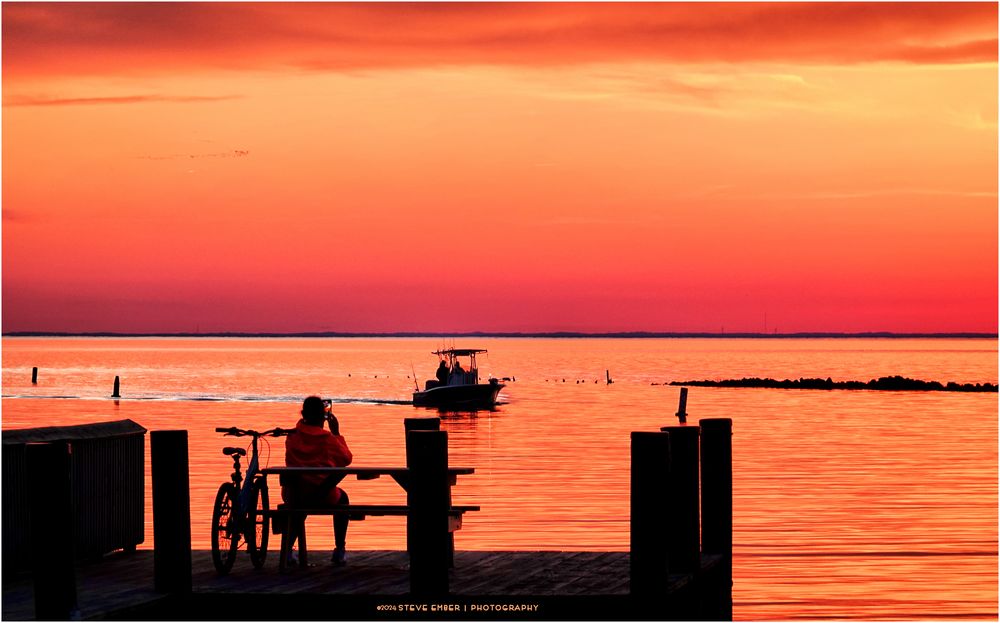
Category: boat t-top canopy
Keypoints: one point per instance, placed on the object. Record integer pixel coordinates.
(459, 352)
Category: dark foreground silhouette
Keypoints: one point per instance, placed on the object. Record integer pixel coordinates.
(885, 383)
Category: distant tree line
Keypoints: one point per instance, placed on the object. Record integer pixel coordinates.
(885, 383)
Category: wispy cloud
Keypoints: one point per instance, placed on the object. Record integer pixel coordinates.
(111, 38)
(236, 153)
(875, 193)
(14, 216)
(33, 100)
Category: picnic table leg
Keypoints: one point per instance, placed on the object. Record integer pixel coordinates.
(300, 532)
(286, 542)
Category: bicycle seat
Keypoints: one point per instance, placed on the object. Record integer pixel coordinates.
(229, 451)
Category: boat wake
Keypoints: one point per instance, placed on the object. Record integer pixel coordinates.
(213, 398)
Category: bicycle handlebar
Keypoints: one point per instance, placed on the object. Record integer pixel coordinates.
(239, 432)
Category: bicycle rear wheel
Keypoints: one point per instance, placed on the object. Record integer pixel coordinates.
(225, 528)
(257, 531)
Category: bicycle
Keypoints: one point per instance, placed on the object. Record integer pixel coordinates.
(241, 506)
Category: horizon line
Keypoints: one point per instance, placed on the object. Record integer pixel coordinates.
(510, 334)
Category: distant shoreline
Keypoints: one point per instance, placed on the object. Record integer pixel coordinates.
(885, 383)
(540, 334)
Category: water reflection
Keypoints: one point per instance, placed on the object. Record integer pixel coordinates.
(847, 504)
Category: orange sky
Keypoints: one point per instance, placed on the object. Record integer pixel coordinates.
(500, 167)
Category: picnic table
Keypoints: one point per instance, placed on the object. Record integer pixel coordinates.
(425, 508)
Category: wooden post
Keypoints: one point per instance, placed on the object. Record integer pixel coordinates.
(115, 393)
(422, 423)
(684, 549)
(168, 450)
(717, 509)
(607, 376)
(681, 413)
(52, 543)
(34, 376)
(717, 485)
(650, 505)
(427, 498)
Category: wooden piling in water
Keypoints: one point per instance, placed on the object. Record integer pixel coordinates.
(427, 497)
(684, 551)
(168, 450)
(34, 376)
(682, 406)
(115, 393)
(649, 506)
(52, 543)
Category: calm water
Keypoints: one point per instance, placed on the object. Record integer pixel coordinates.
(863, 505)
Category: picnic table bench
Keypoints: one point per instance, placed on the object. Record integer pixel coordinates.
(289, 519)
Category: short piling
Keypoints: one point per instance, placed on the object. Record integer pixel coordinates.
(168, 451)
(682, 407)
(52, 543)
(684, 550)
(649, 506)
(116, 393)
(34, 376)
(427, 497)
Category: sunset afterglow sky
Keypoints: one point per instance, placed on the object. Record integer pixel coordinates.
(499, 167)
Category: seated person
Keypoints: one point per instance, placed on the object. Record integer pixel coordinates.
(313, 446)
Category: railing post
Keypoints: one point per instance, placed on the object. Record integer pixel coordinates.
(168, 450)
(52, 541)
(717, 505)
(649, 505)
(427, 498)
(684, 547)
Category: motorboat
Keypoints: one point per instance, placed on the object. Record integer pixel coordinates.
(457, 385)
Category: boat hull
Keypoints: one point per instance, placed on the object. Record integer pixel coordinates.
(477, 396)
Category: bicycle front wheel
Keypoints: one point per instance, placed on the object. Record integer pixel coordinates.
(225, 529)
(257, 525)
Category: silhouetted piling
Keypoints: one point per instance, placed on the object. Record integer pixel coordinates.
(427, 497)
(34, 376)
(650, 507)
(116, 393)
(418, 423)
(52, 543)
(168, 450)
(682, 407)
(717, 509)
(683, 520)
(607, 375)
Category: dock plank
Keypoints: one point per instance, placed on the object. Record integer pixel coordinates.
(124, 581)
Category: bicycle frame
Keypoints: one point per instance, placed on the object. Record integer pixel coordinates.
(251, 476)
(245, 484)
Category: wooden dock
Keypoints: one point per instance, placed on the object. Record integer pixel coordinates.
(374, 584)
(678, 567)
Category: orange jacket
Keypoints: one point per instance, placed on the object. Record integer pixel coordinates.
(314, 446)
